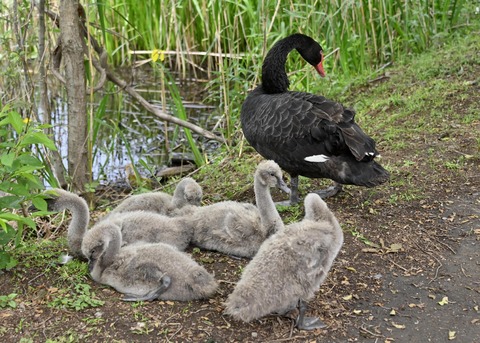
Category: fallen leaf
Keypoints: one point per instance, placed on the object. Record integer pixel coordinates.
(357, 311)
(170, 303)
(412, 305)
(398, 326)
(370, 250)
(444, 301)
(396, 247)
(382, 243)
(351, 269)
(207, 260)
(451, 335)
(348, 297)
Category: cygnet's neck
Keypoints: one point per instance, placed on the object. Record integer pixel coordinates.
(112, 241)
(271, 220)
(79, 223)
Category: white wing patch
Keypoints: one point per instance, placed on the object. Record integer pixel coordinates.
(317, 158)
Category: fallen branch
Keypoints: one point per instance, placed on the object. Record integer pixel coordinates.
(158, 112)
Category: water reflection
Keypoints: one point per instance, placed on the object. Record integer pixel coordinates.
(129, 134)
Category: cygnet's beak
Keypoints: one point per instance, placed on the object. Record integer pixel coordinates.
(91, 265)
(283, 186)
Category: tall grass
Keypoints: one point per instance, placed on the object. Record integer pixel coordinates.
(367, 31)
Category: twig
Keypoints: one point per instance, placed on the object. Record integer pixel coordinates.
(447, 246)
(292, 325)
(175, 333)
(286, 339)
(331, 53)
(463, 271)
(438, 261)
(362, 328)
(399, 266)
(193, 53)
(229, 282)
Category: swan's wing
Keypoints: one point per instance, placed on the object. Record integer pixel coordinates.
(237, 227)
(303, 124)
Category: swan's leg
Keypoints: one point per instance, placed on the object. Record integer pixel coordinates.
(165, 282)
(294, 198)
(330, 191)
(307, 323)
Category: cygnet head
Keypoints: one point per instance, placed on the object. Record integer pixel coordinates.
(192, 191)
(103, 239)
(269, 174)
(316, 209)
(59, 199)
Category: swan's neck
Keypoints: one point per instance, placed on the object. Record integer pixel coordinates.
(80, 219)
(274, 76)
(271, 220)
(78, 226)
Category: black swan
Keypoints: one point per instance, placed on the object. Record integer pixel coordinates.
(307, 134)
(289, 268)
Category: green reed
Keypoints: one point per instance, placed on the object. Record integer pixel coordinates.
(367, 31)
(225, 40)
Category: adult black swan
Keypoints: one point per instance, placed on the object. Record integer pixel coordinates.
(307, 134)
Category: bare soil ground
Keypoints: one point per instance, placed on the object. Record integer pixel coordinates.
(409, 270)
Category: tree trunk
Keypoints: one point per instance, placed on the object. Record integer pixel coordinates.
(44, 108)
(72, 53)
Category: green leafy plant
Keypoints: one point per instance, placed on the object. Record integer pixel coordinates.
(20, 178)
(8, 300)
(81, 299)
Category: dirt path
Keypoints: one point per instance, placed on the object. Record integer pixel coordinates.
(409, 309)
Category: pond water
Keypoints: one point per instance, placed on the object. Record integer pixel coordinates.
(128, 134)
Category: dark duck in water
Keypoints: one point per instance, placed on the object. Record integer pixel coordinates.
(307, 134)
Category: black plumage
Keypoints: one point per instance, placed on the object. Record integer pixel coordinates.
(307, 134)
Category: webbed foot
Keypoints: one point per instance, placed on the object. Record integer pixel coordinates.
(310, 323)
(307, 323)
(165, 282)
(330, 191)
(285, 203)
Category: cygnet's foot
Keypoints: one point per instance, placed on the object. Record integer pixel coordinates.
(165, 282)
(294, 199)
(310, 323)
(330, 191)
(235, 257)
(285, 203)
